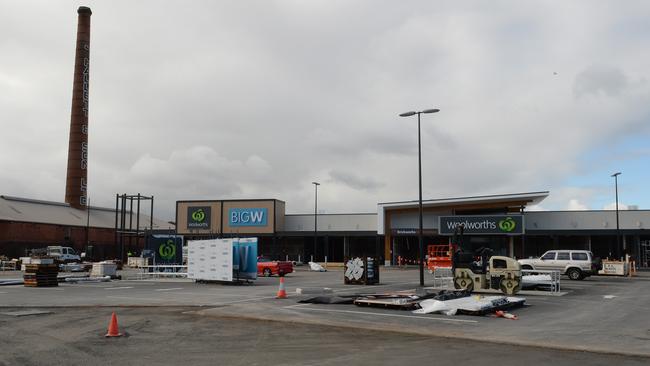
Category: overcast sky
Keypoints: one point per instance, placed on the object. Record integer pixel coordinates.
(257, 99)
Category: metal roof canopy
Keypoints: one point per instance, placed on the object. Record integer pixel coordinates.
(531, 198)
(19, 209)
(497, 200)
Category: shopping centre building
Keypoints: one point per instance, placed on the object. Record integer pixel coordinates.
(500, 222)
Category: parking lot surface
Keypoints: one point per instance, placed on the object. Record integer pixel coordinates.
(605, 315)
(172, 336)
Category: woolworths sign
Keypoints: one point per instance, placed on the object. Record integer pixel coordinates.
(485, 225)
(198, 217)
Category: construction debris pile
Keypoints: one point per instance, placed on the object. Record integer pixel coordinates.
(444, 302)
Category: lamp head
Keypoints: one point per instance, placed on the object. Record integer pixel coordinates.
(407, 114)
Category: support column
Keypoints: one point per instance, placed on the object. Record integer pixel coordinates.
(388, 253)
(511, 246)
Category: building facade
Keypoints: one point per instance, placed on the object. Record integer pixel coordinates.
(392, 232)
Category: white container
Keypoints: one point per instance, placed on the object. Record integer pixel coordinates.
(137, 262)
(42, 261)
(614, 268)
(102, 269)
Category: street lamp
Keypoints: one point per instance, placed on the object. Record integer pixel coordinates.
(316, 184)
(618, 229)
(408, 114)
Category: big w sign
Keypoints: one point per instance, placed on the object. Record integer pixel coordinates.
(247, 217)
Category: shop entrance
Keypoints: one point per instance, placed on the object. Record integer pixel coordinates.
(406, 249)
(645, 254)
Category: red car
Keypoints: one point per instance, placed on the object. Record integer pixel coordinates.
(267, 267)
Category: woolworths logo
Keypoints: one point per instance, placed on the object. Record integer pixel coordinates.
(507, 224)
(198, 217)
(167, 250)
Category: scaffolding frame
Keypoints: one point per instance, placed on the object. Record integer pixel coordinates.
(123, 232)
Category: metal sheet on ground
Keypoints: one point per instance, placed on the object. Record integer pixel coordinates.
(26, 312)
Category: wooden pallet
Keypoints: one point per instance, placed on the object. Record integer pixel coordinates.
(41, 275)
(36, 283)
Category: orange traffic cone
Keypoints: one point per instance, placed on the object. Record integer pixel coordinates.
(113, 330)
(282, 294)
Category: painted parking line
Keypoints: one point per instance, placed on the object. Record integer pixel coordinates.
(3, 292)
(98, 285)
(169, 289)
(151, 299)
(220, 294)
(253, 299)
(117, 288)
(386, 315)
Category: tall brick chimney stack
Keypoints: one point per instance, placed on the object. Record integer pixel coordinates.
(77, 177)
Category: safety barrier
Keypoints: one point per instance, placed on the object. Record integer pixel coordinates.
(443, 278)
(159, 271)
(552, 281)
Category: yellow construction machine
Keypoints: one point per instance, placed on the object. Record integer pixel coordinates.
(480, 270)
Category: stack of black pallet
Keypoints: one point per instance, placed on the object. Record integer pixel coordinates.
(41, 275)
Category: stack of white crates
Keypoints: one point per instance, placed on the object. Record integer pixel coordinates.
(210, 260)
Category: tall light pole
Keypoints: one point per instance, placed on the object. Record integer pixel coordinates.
(316, 184)
(618, 229)
(420, 239)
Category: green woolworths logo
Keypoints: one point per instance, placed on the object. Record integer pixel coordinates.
(507, 224)
(198, 215)
(167, 250)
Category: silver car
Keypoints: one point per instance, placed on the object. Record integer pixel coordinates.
(577, 264)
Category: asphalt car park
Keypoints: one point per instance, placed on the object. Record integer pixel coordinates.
(598, 314)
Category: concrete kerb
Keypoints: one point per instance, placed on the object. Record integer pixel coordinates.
(451, 336)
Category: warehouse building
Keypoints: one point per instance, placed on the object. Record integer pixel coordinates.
(27, 224)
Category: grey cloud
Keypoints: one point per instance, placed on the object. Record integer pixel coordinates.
(258, 99)
(597, 80)
(354, 180)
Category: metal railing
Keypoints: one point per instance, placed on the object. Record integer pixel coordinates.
(546, 278)
(159, 271)
(443, 278)
(8, 266)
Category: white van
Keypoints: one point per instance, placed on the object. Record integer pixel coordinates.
(63, 254)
